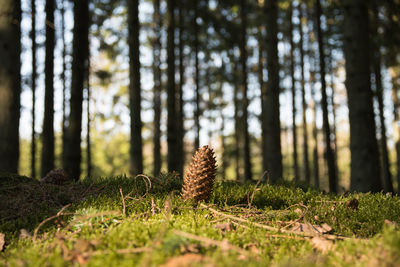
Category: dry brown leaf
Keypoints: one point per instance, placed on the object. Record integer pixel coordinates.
(321, 244)
(311, 229)
(24, 234)
(224, 226)
(185, 260)
(390, 223)
(2, 241)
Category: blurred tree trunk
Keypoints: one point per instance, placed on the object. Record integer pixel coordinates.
(365, 171)
(330, 158)
(236, 104)
(172, 135)
(63, 79)
(272, 154)
(80, 45)
(33, 80)
(306, 163)
(136, 154)
(48, 120)
(197, 78)
(315, 129)
(88, 122)
(243, 59)
(180, 125)
(221, 132)
(376, 70)
(157, 88)
(333, 104)
(396, 128)
(293, 90)
(10, 86)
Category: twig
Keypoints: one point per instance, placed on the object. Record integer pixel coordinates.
(224, 245)
(51, 218)
(270, 228)
(153, 210)
(250, 199)
(286, 236)
(123, 202)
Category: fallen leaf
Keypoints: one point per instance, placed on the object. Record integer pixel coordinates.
(2, 241)
(321, 244)
(185, 260)
(24, 234)
(390, 223)
(224, 226)
(298, 211)
(311, 229)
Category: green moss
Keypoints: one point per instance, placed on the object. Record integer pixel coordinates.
(110, 237)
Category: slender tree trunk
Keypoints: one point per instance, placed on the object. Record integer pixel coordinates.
(272, 156)
(236, 118)
(197, 78)
(157, 88)
(79, 66)
(315, 131)
(221, 134)
(293, 90)
(180, 125)
(88, 122)
(33, 80)
(172, 138)
(396, 128)
(136, 154)
(243, 59)
(64, 87)
(365, 173)
(48, 121)
(333, 104)
(376, 69)
(306, 163)
(330, 158)
(10, 86)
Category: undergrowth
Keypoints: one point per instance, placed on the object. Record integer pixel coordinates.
(124, 221)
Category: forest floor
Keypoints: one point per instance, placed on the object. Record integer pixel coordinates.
(143, 221)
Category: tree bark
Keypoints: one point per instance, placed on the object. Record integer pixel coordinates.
(243, 59)
(10, 86)
(272, 156)
(293, 90)
(63, 79)
(33, 80)
(172, 138)
(306, 163)
(136, 154)
(157, 88)
(180, 125)
(197, 78)
(365, 169)
(79, 66)
(48, 120)
(330, 158)
(376, 69)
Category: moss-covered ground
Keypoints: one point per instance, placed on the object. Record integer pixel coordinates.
(143, 221)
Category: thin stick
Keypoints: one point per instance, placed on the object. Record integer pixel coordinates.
(51, 218)
(270, 228)
(224, 245)
(123, 202)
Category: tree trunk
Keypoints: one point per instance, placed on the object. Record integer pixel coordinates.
(396, 128)
(365, 173)
(48, 120)
(332, 100)
(79, 66)
(243, 59)
(306, 163)
(136, 154)
(236, 104)
(315, 130)
(376, 69)
(172, 138)
(10, 86)
(63, 79)
(293, 89)
(33, 80)
(197, 79)
(180, 125)
(272, 156)
(88, 122)
(330, 157)
(157, 88)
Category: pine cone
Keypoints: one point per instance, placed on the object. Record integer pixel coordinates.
(199, 180)
(56, 176)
